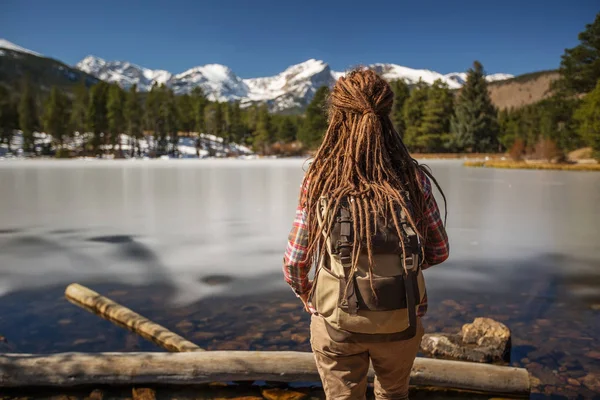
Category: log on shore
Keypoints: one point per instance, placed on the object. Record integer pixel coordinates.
(69, 369)
(128, 319)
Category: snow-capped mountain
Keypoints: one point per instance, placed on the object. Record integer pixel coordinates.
(292, 88)
(217, 81)
(124, 73)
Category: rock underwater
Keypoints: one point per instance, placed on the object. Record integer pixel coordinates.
(484, 340)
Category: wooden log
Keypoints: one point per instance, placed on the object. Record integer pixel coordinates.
(68, 369)
(128, 319)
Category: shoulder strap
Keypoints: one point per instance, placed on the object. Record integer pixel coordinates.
(410, 258)
(345, 243)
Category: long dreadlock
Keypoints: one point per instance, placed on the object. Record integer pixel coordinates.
(363, 158)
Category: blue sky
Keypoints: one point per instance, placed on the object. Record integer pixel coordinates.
(261, 38)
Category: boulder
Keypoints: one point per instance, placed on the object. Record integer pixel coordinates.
(484, 340)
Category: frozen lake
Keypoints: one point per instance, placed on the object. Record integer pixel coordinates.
(525, 247)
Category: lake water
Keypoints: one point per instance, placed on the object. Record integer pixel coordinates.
(196, 245)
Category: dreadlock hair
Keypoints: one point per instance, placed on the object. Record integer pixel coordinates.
(362, 157)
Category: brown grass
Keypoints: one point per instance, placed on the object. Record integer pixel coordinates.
(581, 154)
(532, 165)
(453, 156)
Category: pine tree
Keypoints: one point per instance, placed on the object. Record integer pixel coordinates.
(557, 123)
(56, 119)
(250, 118)
(315, 121)
(580, 65)
(28, 116)
(507, 134)
(199, 103)
(264, 133)
(171, 119)
(236, 127)
(474, 125)
(214, 119)
(434, 129)
(401, 94)
(185, 111)
(79, 108)
(227, 110)
(165, 119)
(151, 109)
(9, 119)
(115, 107)
(96, 116)
(413, 113)
(214, 123)
(287, 129)
(588, 116)
(133, 118)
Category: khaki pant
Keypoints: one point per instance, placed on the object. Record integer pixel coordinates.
(343, 367)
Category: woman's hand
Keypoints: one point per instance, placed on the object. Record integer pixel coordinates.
(307, 306)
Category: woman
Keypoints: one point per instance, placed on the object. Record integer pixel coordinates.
(368, 220)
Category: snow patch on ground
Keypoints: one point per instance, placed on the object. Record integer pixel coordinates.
(187, 147)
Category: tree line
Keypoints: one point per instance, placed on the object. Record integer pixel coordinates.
(570, 117)
(430, 118)
(90, 120)
(437, 119)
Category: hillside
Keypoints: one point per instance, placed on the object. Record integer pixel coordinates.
(522, 90)
(43, 72)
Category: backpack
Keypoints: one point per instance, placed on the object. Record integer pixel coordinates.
(361, 306)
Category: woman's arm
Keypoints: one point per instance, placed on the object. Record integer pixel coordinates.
(295, 265)
(436, 244)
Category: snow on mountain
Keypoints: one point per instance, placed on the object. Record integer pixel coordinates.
(218, 82)
(292, 88)
(498, 77)
(412, 76)
(5, 44)
(461, 77)
(124, 73)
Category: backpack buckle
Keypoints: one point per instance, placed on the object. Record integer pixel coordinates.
(410, 263)
(345, 253)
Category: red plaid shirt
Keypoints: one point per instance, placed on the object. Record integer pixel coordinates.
(296, 268)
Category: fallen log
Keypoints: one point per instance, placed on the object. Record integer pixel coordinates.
(69, 369)
(128, 319)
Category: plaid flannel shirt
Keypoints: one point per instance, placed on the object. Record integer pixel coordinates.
(296, 268)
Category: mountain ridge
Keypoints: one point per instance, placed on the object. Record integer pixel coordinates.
(293, 88)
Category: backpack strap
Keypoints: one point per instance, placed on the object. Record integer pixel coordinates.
(410, 264)
(344, 245)
(349, 302)
(410, 257)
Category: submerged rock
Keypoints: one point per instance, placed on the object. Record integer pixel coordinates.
(283, 394)
(143, 394)
(5, 347)
(484, 340)
(592, 381)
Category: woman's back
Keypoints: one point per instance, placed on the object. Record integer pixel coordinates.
(369, 222)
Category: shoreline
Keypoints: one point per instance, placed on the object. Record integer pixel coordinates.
(417, 156)
(502, 164)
